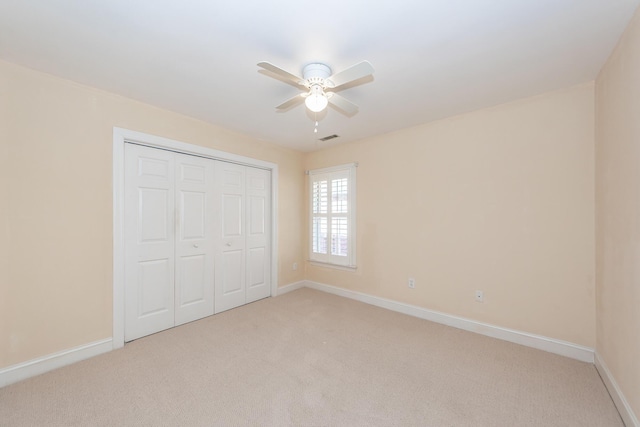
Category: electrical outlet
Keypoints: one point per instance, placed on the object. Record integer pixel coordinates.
(479, 296)
(412, 282)
(295, 266)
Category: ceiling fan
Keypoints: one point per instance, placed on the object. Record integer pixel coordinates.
(320, 85)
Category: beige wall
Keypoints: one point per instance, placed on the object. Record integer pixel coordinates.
(499, 200)
(56, 201)
(618, 214)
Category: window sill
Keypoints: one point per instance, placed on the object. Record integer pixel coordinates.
(334, 266)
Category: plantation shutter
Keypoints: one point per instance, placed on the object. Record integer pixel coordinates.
(332, 216)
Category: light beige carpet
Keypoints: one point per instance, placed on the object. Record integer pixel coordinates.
(312, 359)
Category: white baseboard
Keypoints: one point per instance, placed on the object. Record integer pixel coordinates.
(22, 371)
(44, 364)
(563, 348)
(290, 287)
(627, 414)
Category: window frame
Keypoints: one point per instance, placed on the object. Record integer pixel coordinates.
(341, 171)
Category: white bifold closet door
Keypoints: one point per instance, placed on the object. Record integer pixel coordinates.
(197, 238)
(243, 259)
(169, 233)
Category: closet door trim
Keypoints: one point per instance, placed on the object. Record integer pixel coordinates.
(123, 136)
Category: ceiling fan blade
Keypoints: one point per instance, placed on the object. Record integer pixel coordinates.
(355, 72)
(348, 107)
(279, 71)
(291, 102)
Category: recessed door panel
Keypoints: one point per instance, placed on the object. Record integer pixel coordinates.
(154, 221)
(230, 280)
(232, 177)
(257, 215)
(155, 289)
(154, 168)
(193, 217)
(193, 279)
(232, 274)
(255, 267)
(256, 182)
(232, 215)
(193, 173)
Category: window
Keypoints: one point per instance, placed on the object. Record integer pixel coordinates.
(333, 207)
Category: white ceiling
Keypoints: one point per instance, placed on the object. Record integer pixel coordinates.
(432, 58)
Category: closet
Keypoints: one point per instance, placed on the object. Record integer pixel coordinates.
(197, 238)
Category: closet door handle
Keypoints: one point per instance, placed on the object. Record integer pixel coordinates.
(195, 246)
(228, 243)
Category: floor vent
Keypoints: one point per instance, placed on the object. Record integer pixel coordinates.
(326, 138)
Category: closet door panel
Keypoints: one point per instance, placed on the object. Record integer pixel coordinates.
(231, 247)
(258, 241)
(149, 241)
(194, 287)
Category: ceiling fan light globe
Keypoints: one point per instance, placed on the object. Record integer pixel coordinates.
(316, 102)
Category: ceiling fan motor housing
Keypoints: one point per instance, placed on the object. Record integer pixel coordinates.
(315, 74)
